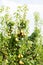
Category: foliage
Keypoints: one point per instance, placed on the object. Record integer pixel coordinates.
(16, 47)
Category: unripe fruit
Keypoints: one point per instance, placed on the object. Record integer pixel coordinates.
(21, 62)
(16, 39)
(20, 56)
(23, 33)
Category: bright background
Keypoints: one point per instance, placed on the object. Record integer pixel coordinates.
(33, 5)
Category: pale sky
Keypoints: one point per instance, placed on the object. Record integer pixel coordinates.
(27, 1)
(33, 5)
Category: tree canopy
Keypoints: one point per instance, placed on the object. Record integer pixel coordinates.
(16, 47)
